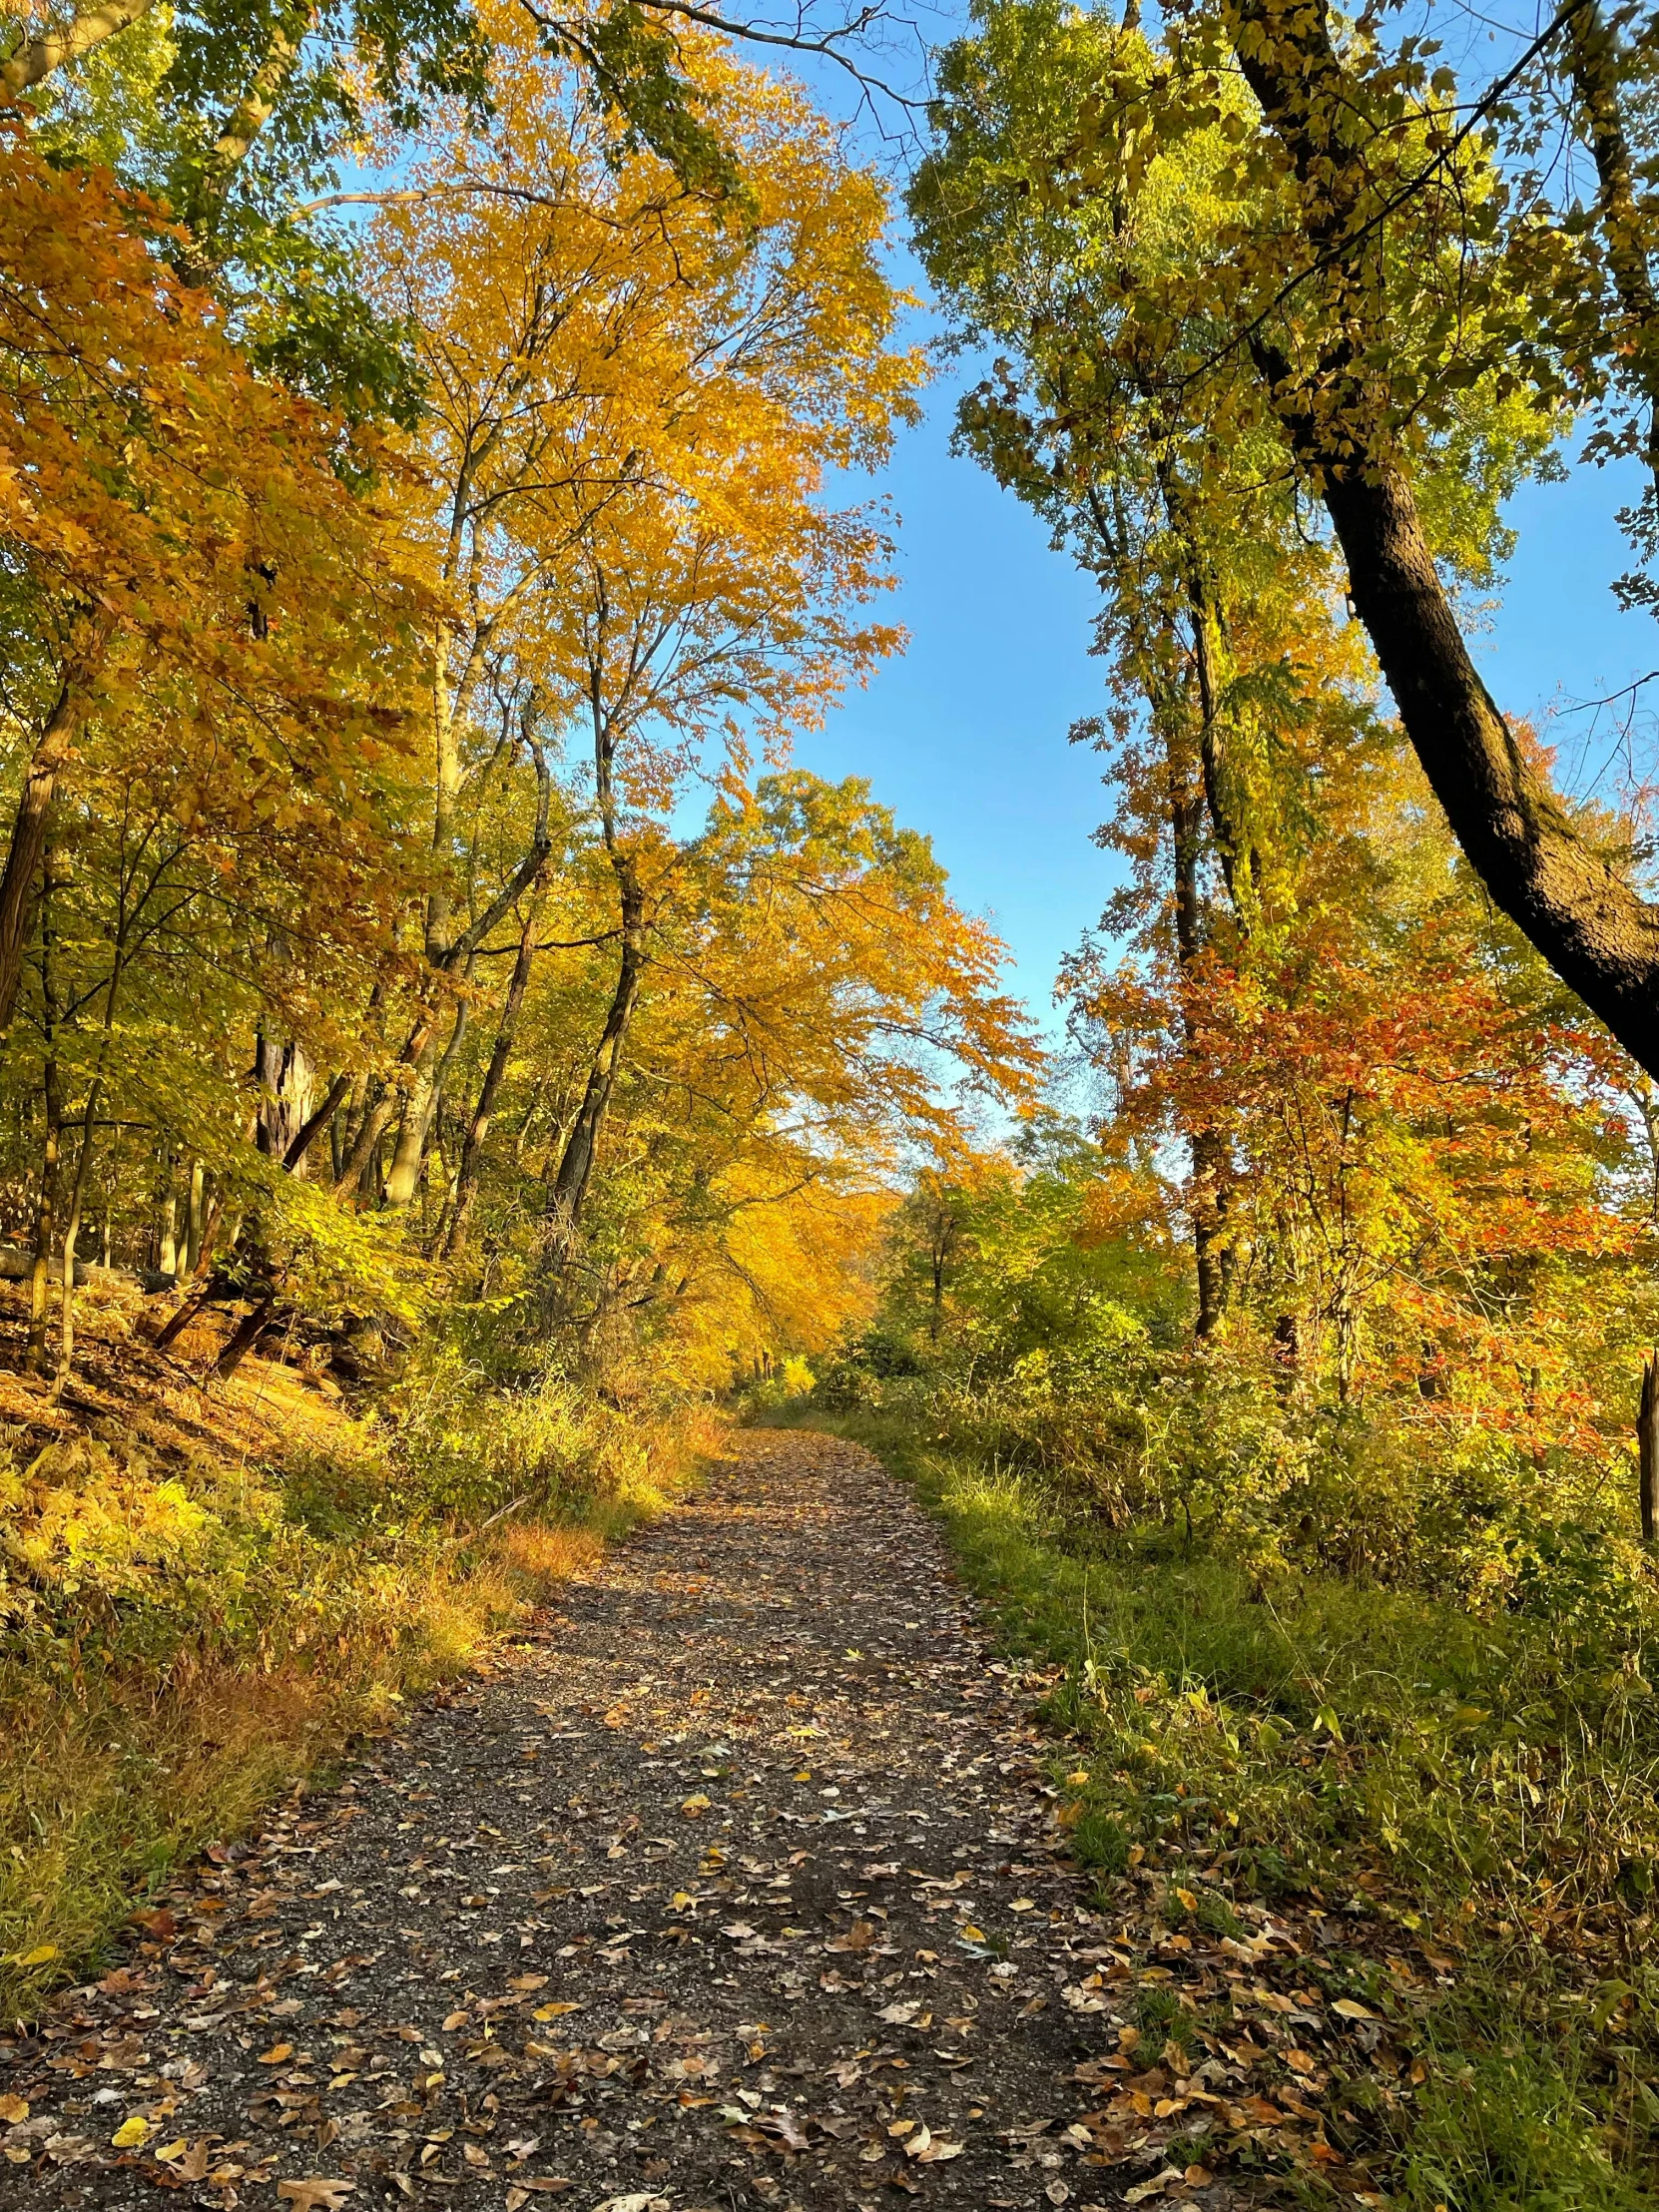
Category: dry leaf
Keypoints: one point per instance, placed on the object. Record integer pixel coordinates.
(130, 2133)
(938, 2150)
(1349, 2011)
(1155, 2187)
(14, 2110)
(315, 2195)
(275, 2055)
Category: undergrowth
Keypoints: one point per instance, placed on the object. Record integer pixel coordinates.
(181, 1643)
(1489, 1785)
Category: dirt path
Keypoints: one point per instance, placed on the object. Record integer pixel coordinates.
(734, 1888)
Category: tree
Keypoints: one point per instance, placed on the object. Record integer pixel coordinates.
(636, 404)
(1235, 686)
(1371, 265)
(175, 528)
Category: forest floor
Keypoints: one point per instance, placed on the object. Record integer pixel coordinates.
(735, 1882)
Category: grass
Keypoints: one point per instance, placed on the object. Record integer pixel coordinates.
(184, 1642)
(1488, 1787)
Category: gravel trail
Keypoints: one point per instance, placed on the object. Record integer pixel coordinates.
(734, 1885)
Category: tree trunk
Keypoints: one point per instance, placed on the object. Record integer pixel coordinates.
(283, 1075)
(247, 1331)
(506, 1035)
(166, 1226)
(188, 1307)
(1579, 909)
(28, 840)
(45, 1208)
(322, 1117)
(570, 1185)
(196, 1214)
(1207, 1146)
(378, 1119)
(71, 1238)
(415, 1122)
(1647, 1449)
(85, 29)
(426, 1103)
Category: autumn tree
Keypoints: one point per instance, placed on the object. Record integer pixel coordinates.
(636, 399)
(1373, 262)
(1236, 683)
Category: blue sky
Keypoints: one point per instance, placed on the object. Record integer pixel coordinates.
(965, 735)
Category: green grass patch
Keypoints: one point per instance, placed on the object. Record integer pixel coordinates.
(1486, 1785)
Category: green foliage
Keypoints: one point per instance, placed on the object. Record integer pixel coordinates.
(1488, 1785)
(180, 1641)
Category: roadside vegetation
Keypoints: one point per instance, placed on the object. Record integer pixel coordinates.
(203, 1602)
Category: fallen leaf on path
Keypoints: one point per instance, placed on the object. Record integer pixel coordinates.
(14, 2110)
(1155, 2187)
(315, 2195)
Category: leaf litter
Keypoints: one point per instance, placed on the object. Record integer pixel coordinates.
(742, 1881)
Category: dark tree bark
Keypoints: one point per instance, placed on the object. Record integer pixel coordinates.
(570, 1185)
(575, 1171)
(1576, 907)
(321, 1118)
(477, 1128)
(247, 1331)
(1207, 1146)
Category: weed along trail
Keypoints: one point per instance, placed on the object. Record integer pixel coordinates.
(739, 1885)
